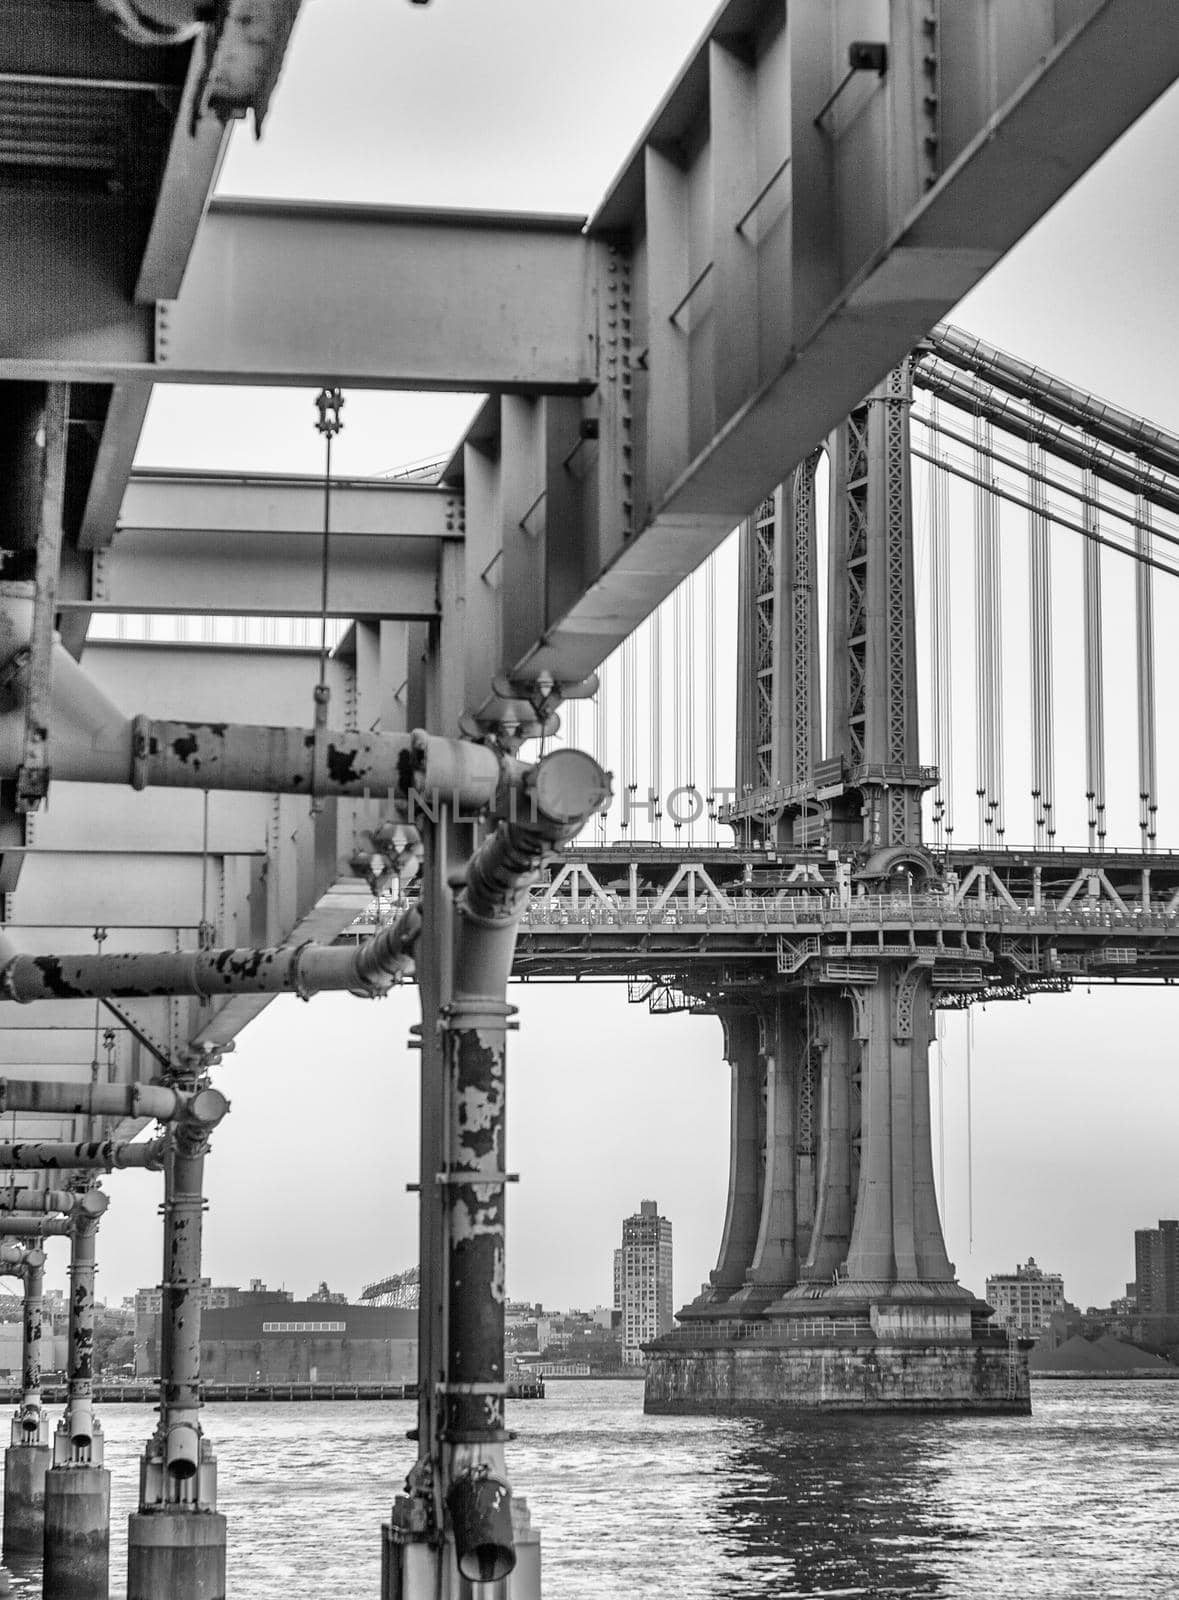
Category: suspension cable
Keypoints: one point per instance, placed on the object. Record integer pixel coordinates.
(1093, 668)
(941, 671)
(710, 692)
(1144, 635)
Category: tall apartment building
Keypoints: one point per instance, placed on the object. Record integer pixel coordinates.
(1156, 1269)
(642, 1280)
(1025, 1299)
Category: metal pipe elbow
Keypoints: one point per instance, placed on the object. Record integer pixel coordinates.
(182, 1447)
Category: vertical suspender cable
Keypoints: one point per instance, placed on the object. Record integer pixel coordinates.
(1040, 646)
(988, 642)
(1144, 633)
(656, 788)
(996, 797)
(710, 693)
(941, 674)
(1094, 673)
(601, 735)
(677, 706)
(984, 726)
(630, 646)
(690, 588)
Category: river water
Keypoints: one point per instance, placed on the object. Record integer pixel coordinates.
(1080, 1499)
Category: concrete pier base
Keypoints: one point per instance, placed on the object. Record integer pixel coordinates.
(77, 1533)
(708, 1377)
(25, 1466)
(179, 1553)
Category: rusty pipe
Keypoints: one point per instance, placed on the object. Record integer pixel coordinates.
(180, 1354)
(35, 1227)
(90, 1099)
(44, 1200)
(103, 1153)
(366, 969)
(79, 1419)
(29, 1415)
(93, 741)
(563, 791)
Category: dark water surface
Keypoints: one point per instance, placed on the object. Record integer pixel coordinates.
(1080, 1499)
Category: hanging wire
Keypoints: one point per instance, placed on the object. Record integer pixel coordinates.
(329, 403)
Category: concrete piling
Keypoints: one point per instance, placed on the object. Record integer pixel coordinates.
(77, 1533)
(25, 1466)
(178, 1555)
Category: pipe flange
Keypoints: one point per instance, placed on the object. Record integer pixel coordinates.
(302, 989)
(140, 750)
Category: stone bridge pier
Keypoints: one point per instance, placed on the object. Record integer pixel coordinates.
(832, 1287)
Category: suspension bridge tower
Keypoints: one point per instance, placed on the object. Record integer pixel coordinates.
(833, 1287)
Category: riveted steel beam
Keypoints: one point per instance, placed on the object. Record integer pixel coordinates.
(272, 574)
(284, 293)
(839, 237)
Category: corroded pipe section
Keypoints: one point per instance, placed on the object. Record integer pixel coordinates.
(29, 1415)
(13, 1199)
(563, 791)
(367, 969)
(104, 1153)
(181, 1354)
(79, 1415)
(90, 1099)
(95, 742)
(34, 1227)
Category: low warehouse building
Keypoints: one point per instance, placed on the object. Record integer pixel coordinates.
(308, 1341)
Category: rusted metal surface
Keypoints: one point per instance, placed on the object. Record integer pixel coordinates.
(89, 1099)
(14, 1200)
(105, 1154)
(305, 969)
(474, 1199)
(27, 1227)
(177, 1445)
(79, 1422)
(30, 1403)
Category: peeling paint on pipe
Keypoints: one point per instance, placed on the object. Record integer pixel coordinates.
(563, 791)
(13, 1200)
(79, 1418)
(180, 1363)
(35, 1227)
(30, 1405)
(367, 969)
(89, 1099)
(104, 1153)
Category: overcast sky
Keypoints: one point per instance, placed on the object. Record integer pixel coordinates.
(528, 105)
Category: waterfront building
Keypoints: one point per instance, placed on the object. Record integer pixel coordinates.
(1156, 1269)
(1026, 1299)
(264, 1340)
(149, 1305)
(643, 1280)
